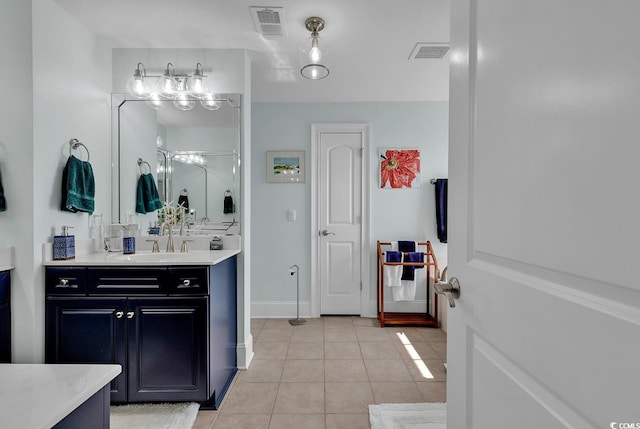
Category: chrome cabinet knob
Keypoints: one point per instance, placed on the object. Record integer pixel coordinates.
(64, 282)
(130, 314)
(119, 314)
(186, 282)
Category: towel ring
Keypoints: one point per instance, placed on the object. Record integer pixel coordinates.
(74, 144)
(142, 162)
(227, 193)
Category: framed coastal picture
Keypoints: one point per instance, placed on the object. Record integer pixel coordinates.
(285, 166)
(399, 168)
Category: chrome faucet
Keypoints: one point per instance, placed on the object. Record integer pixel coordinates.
(164, 225)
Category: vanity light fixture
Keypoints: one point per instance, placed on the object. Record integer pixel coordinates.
(182, 89)
(313, 68)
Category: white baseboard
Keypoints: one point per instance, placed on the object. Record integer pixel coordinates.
(244, 353)
(276, 309)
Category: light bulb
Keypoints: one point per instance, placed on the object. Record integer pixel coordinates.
(210, 102)
(198, 85)
(314, 53)
(183, 102)
(137, 85)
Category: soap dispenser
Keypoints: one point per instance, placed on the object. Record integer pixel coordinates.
(64, 246)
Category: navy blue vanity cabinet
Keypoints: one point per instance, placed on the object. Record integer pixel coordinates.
(5, 317)
(167, 349)
(223, 326)
(173, 329)
(88, 330)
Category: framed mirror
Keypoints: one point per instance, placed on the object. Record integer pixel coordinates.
(193, 155)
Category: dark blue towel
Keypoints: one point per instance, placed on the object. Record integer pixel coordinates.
(3, 201)
(441, 209)
(406, 246)
(78, 186)
(147, 198)
(408, 272)
(393, 256)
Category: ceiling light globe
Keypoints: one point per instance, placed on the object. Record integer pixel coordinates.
(314, 71)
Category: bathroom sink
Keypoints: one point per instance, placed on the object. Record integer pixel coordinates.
(147, 257)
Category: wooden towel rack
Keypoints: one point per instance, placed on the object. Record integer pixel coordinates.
(413, 319)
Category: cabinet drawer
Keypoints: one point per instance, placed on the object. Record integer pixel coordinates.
(188, 281)
(126, 281)
(66, 281)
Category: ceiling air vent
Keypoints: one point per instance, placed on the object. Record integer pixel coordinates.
(268, 21)
(433, 51)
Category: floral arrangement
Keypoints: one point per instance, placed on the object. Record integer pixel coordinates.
(171, 215)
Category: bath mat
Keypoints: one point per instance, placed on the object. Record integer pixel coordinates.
(408, 416)
(154, 416)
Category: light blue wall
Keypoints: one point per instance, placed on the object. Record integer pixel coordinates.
(407, 214)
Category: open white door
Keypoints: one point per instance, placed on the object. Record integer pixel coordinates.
(544, 207)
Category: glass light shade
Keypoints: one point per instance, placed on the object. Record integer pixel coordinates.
(167, 87)
(183, 102)
(313, 60)
(314, 71)
(155, 101)
(139, 86)
(210, 102)
(198, 86)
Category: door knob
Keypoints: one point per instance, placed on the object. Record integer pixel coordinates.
(450, 289)
(326, 232)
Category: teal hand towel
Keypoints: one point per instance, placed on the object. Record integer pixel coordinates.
(3, 201)
(78, 186)
(147, 198)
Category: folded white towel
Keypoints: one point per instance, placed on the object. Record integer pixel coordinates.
(406, 289)
(392, 275)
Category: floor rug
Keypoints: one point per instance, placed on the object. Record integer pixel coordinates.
(408, 416)
(154, 416)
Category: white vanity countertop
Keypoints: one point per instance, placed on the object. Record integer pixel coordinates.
(6, 259)
(40, 395)
(146, 258)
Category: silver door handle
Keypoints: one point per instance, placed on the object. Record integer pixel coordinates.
(325, 232)
(450, 289)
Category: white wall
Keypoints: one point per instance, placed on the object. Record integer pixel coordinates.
(407, 214)
(16, 162)
(56, 94)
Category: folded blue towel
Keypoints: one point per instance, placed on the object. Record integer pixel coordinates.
(3, 201)
(393, 256)
(147, 198)
(78, 186)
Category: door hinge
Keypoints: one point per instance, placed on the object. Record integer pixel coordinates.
(360, 285)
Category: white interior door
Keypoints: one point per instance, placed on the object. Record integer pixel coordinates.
(544, 212)
(339, 218)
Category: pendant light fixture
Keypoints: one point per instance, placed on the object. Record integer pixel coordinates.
(313, 67)
(181, 89)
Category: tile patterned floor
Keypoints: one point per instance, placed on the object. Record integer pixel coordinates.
(322, 375)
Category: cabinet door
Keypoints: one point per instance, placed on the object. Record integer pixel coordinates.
(88, 330)
(5, 317)
(223, 326)
(167, 349)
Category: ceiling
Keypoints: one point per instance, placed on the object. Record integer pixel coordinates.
(366, 43)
